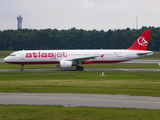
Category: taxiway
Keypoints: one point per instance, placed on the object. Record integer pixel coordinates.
(70, 100)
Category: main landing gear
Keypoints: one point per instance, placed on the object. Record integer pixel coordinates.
(79, 68)
(22, 68)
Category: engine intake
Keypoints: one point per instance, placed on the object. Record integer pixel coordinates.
(64, 64)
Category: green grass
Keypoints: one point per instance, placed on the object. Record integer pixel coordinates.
(34, 112)
(132, 83)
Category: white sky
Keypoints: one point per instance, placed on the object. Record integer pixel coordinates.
(81, 14)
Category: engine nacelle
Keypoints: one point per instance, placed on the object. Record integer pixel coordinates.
(64, 64)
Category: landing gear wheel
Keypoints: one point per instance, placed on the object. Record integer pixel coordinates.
(79, 68)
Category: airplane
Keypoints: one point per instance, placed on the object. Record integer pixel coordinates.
(69, 58)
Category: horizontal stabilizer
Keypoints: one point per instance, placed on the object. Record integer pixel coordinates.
(148, 53)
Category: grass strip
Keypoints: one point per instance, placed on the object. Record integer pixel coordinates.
(132, 83)
(40, 112)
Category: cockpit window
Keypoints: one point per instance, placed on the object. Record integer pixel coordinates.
(12, 55)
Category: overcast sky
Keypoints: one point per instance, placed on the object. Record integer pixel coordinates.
(81, 14)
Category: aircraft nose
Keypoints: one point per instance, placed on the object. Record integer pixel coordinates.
(6, 59)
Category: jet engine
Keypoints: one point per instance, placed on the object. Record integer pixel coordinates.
(64, 64)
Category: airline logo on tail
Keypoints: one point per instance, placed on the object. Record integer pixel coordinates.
(142, 41)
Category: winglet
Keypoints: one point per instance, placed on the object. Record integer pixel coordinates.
(142, 42)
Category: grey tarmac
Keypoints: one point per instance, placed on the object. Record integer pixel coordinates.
(69, 99)
(1, 60)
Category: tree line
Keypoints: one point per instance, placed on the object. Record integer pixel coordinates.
(73, 38)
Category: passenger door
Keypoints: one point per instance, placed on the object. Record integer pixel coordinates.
(22, 56)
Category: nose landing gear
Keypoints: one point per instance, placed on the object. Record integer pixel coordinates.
(22, 68)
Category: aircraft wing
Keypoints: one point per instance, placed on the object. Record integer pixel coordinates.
(82, 59)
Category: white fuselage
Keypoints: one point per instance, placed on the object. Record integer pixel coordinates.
(83, 56)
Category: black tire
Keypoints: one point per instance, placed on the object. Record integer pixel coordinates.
(77, 67)
(81, 68)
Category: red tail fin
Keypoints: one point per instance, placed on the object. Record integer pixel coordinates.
(142, 42)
